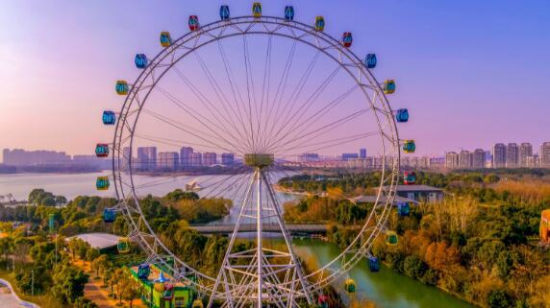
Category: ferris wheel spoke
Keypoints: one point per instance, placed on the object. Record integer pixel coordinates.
(265, 92)
(280, 90)
(326, 144)
(249, 85)
(226, 145)
(321, 130)
(208, 104)
(295, 94)
(221, 96)
(238, 102)
(286, 128)
(313, 119)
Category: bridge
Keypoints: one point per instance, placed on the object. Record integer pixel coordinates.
(298, 229)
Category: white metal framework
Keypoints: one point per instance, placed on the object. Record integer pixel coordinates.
(245, 126)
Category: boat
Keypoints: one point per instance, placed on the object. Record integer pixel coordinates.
(193, 186)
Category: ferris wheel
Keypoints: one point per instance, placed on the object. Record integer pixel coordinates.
(273, 97)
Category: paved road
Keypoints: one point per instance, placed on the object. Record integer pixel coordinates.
(9, 299)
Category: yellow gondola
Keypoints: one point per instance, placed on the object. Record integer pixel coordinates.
(257, 9)
(409, 146)
(389, 86)
(319, 23)
(123, 245)
(122, 87)
(102, 183)
(165, 39)
(197, 304)
(391, 238)
(349, 285)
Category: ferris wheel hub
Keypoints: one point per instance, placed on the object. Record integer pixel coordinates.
(259, 160)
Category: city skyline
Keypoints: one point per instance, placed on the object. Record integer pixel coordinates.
(32, 119)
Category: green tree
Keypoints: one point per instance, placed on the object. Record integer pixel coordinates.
(68, 283)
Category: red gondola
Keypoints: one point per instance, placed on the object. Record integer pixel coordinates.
(193, 23)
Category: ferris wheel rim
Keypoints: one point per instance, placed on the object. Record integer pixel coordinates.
(131, 97)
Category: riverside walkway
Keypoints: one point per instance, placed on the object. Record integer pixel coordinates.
(8, 298)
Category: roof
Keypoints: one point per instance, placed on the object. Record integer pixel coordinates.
(372, 199)
(98, 240)
(416, 188)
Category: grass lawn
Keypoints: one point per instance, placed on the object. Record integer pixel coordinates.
(44, 301)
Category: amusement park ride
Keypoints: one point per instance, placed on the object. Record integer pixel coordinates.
(261, 276)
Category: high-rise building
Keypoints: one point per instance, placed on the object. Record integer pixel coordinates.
(185, 156)
(146, 158)
(210, 158)
(525, 151)
(499, 155)
(544, 155)
(349, 156)
(451, 160)
(512, 155)
(465, 159)
(228, 159)
(195, 159)
(168, 160)
(478, 159)
(363, 153)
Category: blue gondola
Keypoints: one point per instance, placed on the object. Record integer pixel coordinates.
(109, 215)
(224, 12)
(109, 117)
(402, 115)
(289, 13)
(322, 301)
(403, 209)
(370, 60)
(122, 87)
(141, 61)
(144, 270)
(374, 264)
(165, 39)
(347, 39)
(102, 150)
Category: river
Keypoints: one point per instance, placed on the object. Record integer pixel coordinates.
(386, 288)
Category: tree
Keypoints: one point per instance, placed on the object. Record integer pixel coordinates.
(121, 282)
(498, 299)
(68, 283)
(132, 290)
(98, 264)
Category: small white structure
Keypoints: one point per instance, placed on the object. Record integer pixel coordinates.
(98, 240)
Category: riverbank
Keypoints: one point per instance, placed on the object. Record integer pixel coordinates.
(386, 288)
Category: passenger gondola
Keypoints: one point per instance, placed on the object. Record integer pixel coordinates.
(109, 117)
(409, 146)
(193, 23)
(102, 183)
(402, 115)
(289, 13)
(257, 9)
(319, 23)
(224, 12)
(141, 61)
(123, 245)
(347, 39)
(102, 150)
(403, 209)
(165, 39)
(389, 86)
(374, 264)
(122, 87)
(370, 60)
(409, 178)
